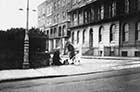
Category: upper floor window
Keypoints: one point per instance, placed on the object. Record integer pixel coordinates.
(92, 14)
(112, 32)
(64, 15)
(64, 31)
(112, 9)
(85, 16)
(102, 12)
(127, 6)
(55, 19)
(101, 29)
(80, 17)
(75, 19)
(125, 33)
(78, 36)
(138, 31)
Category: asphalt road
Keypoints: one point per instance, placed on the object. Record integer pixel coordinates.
(112, 81)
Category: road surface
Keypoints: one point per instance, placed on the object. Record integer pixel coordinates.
(127, 80)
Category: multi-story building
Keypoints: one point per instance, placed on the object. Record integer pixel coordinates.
(97, 27)
(45, 18)
(130, 28)
(106, 27)
(57, 22)
(59, 29)
(41, 16)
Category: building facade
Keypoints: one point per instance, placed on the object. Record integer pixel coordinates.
(130, 28)
(105, 27)
(97, 27)
(57, 30)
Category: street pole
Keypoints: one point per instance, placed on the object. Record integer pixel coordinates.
(26, 64)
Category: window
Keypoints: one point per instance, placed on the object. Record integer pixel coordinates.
(58, 20)
(124, 53)
(102, 12)
(112, 32)
(84, 36)
(127, 5)
(55, 32)
(137, 53)
(101, 34)
(78, 34)
(47, 33)
(112, 9)
(85, 16)
(138, 31)
(64, 15)
(92, 14)
(59, 31)
(126, 32)
(64, 32)
(75, 19)
(80, 17)
(91, 37)
(73, 37)
(51, 32)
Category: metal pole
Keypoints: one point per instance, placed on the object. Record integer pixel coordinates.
(26, 42)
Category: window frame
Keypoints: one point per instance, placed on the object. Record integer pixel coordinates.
(112, 32)
(72, 37)
(125, 33)
(101, 30)
(127, 6)
(78, 38)
(84, 33)
(91, 37)
(137, 31)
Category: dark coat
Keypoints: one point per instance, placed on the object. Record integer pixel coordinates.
(71, 51)
(47, 58)
(56, 58)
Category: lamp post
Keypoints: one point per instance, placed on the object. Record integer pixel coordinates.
(26, 41)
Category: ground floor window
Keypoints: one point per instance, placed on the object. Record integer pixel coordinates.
(137, 53)
(124, 53)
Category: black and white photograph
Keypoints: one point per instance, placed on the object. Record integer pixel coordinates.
(69, 45)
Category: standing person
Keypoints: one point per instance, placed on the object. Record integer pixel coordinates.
(47, 57)
(56, 58)
(70, 49)
(77, 57)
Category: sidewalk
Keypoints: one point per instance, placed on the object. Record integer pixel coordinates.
(87, 65)
(112, 57)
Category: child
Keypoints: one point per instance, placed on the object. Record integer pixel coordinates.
(77, 57)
